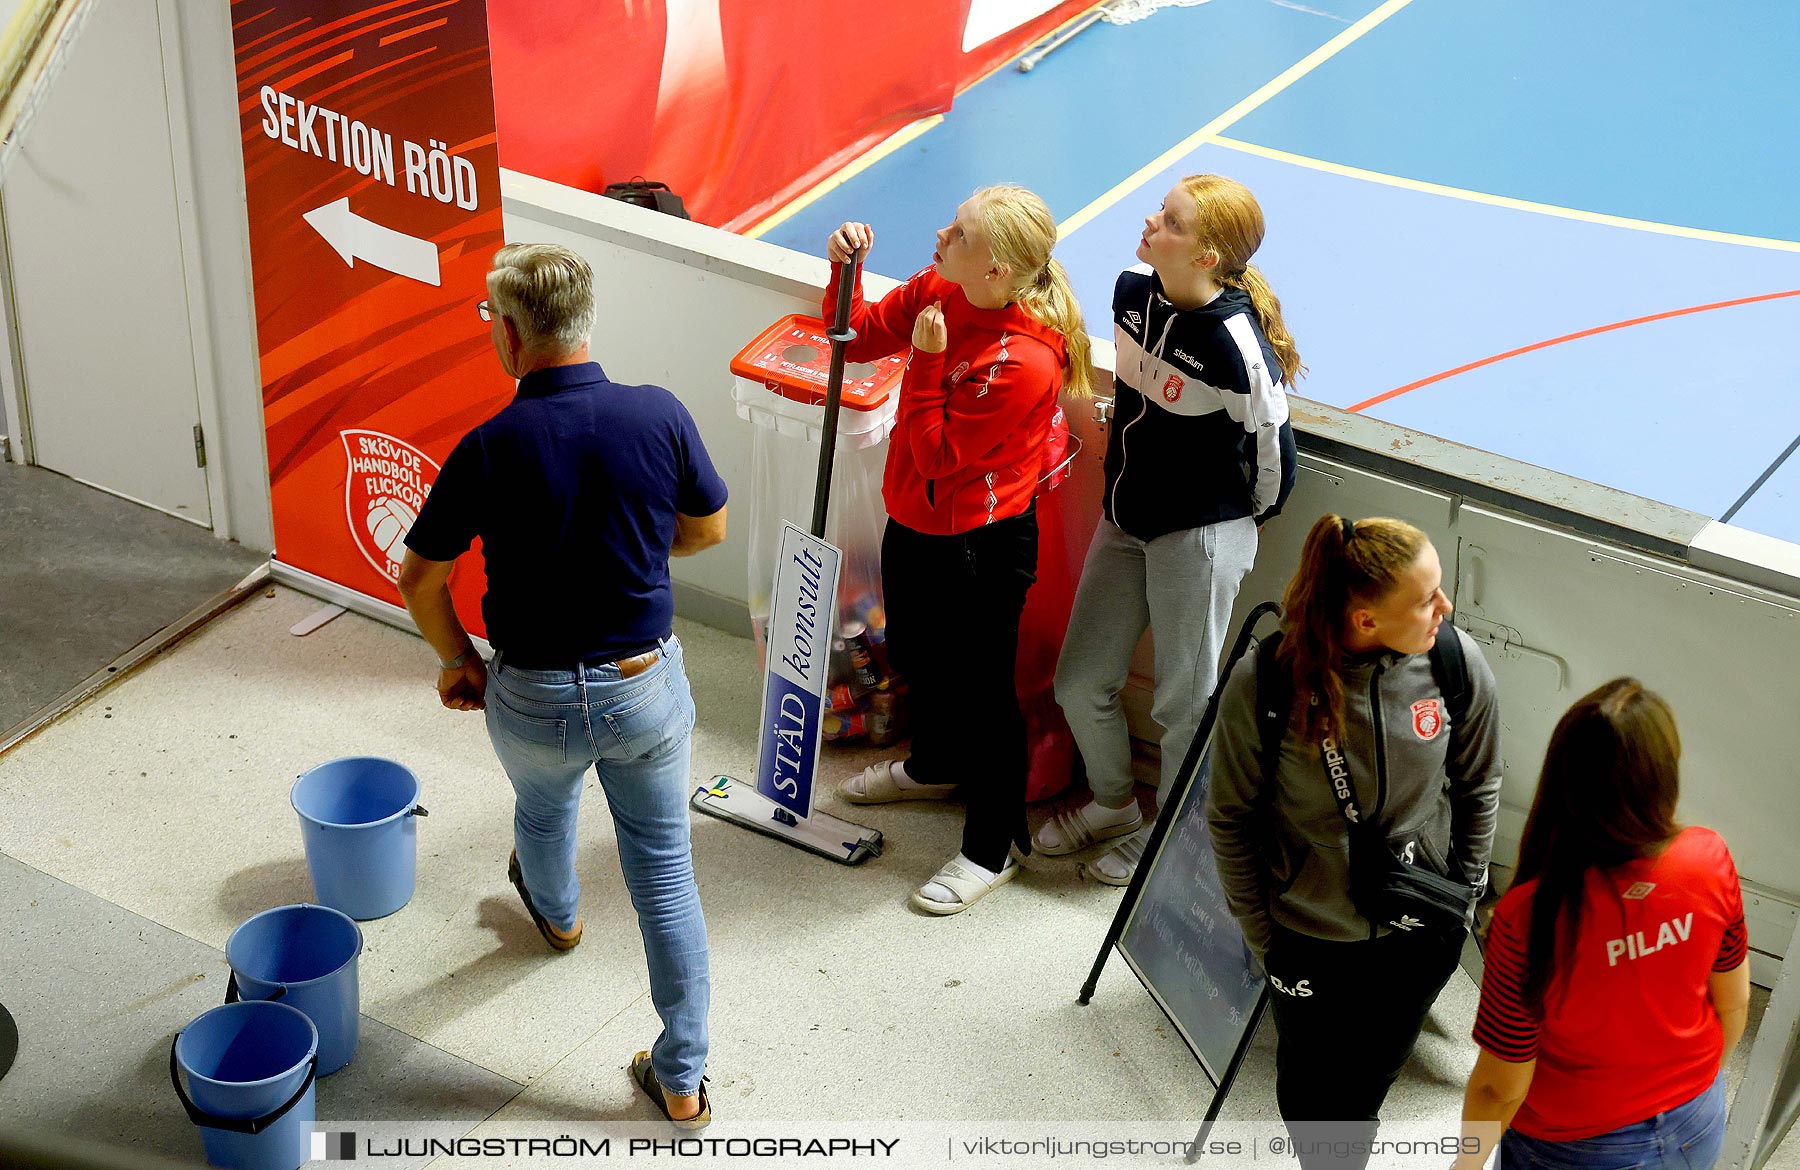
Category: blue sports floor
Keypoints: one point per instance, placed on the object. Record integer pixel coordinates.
(1565, 232)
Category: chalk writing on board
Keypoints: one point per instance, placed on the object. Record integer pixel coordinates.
(1184, 944)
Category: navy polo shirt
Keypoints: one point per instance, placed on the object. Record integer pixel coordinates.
(572, 489)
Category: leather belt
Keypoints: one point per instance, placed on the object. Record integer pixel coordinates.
(638, 663)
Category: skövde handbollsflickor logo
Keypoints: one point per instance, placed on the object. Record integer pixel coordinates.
(386, 481)
(1172, 388)
(1428, 718)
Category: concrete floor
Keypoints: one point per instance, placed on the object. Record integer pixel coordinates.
(141, 829)
(85, 576)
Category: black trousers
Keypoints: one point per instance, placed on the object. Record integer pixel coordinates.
(953, 607)
(1346, 1017)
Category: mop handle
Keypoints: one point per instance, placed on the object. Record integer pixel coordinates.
(1031, 60)
(841, 335)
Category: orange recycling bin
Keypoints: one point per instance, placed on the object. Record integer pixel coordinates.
(780, 386)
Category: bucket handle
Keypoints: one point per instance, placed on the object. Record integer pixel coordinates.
(417, 810)
(250, 1125)
(231, 988)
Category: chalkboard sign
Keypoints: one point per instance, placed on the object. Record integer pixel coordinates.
(1173, 926)
(1182, 941)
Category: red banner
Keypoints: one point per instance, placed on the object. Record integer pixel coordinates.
(738, 105)
(373, 188)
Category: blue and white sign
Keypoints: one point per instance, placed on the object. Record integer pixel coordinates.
(799, 638)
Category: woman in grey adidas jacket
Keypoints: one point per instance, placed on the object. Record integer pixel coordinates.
(1422, 756)
(1200, 454)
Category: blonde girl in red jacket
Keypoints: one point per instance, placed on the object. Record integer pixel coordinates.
(995, 333)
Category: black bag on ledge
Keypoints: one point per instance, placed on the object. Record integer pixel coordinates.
(642, 192)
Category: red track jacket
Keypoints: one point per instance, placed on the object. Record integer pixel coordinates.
(968, 441)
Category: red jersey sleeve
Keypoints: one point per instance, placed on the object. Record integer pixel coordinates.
(1503, 1024)
(1734, 948)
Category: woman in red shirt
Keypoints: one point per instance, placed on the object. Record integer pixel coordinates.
(1616, 982)
(995, 334)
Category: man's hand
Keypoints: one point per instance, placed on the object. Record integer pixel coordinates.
(464, 688)
(425, 588)
(847, 241)
(929, 334)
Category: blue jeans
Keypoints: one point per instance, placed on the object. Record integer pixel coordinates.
(548, 727)
(1687, 1137)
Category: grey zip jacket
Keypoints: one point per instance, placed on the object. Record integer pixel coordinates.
(1283, 848)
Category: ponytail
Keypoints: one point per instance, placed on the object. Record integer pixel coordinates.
(1231, 225)
(1021, 232)
(1051, 301)
(1343, 562)
(1268, 312)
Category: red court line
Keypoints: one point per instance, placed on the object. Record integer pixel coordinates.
(1512, 353)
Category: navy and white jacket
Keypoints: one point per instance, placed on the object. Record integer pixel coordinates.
(1200, 430)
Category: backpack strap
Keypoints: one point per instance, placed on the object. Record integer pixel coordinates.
(1450, 669)
(1274, 704)
(1275, 690)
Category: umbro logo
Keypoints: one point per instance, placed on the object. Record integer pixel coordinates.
(1639, 891)
(1134, 319)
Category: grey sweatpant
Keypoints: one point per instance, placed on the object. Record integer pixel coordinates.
(1181, 585)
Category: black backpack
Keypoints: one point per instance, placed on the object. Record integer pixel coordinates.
(647, 193)
(1275, 691)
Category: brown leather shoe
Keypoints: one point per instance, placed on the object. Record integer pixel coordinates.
(645, 1076)
(556, 938)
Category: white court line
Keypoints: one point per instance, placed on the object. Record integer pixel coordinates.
(1236, 113)
(1642, 225)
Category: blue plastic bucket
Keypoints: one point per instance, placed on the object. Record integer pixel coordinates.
(250, 1071)
(356, 817)
(304, 956)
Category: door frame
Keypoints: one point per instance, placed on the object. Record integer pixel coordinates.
(12, 372)
(182, 156)
(14, 391)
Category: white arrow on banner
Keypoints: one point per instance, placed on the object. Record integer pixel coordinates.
(353, 237)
